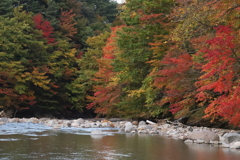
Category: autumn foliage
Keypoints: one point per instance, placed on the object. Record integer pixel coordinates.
(44, 26)
(107, 92)
(221, 76)
(194, 57)
(67, 23)
(160, 59)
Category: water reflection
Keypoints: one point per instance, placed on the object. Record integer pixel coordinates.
(78, 144)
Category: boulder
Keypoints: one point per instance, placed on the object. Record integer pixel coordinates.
(75, 124)
(204, 135)
(4, 120)
(128, 124)
(80, 120)
(129, 128)
(231, 137)
(135, 122)
(235, 145)
(142, 123)
(67, 124)
(106, 124)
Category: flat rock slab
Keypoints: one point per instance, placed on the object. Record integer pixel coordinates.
(204, 135)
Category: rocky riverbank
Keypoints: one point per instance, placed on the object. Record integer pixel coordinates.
(189, 134)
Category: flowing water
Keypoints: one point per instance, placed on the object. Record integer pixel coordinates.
(22, 141)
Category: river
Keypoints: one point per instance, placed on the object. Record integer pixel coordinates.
(22, 141)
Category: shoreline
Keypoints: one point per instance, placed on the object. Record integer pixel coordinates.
(189, 134)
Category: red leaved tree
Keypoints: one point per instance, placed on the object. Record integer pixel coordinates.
(108, 90)
(221, 76)
(45, 27)
(176, 78)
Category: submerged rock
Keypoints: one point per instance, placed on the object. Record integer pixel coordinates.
(97, 132)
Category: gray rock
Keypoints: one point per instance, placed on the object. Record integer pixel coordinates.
(128, 124)
(86, 125)
(106, 124)
(67, 123)
(165, 126)
(12, 120)
(133, 132)
(204, 135)
(231, 137)
(173, 133)
(97, 136)
(207, 142)
(121, 130)
(75, 124)
(182, 137)
(199, 141)
(142, 123)
(99, 124)
(97, 132)
(80, 120)
(188, 141)
(235, 145)
(129, 128)
(153, 131)
(33, 120)
(4, 119)
(50, 123)
(143, 131)
(149, 127)
(135, 122)
(141, 127)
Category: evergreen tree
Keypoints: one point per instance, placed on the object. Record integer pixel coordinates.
(35, 6)
(82, 86)
(6, 7)
(52, 13)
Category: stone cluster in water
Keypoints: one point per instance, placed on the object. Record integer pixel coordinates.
(189, 134)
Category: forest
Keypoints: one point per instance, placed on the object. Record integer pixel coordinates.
(143, 59)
